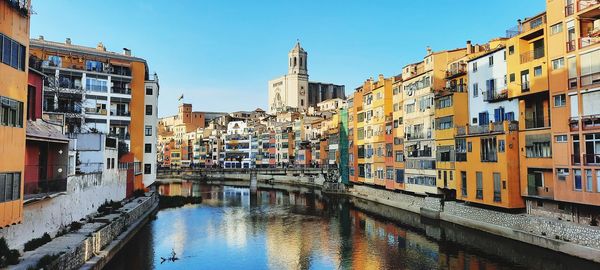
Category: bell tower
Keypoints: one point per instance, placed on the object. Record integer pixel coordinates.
(297, 59)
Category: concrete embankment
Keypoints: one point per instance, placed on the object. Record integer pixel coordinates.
(97, 241)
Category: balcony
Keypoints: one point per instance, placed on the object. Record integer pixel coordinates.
(494, 96)
(21, 6)
(96, 111)
(120, 136)
(590, 40)
(534, 54)
(498, 127)
(44, 180)
(456, 71)
(67, 110)
(120, 113)
(591, 159)
(527, 26)
(121, 90)
(590, 79)
(583, 5)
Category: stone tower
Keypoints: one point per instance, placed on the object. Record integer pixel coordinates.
(297, 61)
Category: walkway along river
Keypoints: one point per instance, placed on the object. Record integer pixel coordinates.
(301, 228)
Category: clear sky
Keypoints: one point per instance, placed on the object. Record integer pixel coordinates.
(220, 54)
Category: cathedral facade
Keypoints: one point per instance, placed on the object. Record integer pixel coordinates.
(293, 91)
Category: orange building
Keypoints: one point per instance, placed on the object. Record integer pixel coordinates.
(14, 33)
(573, 57)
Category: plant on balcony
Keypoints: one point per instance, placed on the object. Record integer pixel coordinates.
(8, 256)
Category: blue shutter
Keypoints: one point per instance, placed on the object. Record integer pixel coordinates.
(484, 118)
(510, 116)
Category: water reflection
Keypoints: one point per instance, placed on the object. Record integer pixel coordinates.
(299, 228)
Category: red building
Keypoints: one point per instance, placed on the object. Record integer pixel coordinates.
(46, 147)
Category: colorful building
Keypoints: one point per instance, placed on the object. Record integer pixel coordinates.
(14, 30)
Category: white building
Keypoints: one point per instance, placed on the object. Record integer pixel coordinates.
(294, 91)
(488, 89)
(241, 146)
(151, 120)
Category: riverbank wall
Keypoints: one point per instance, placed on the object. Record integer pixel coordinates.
(97, 241)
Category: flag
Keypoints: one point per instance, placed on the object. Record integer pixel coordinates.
(180, 98)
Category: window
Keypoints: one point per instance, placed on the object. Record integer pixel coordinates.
(147, 168)
(148, 91)
(560, 100)
(562, 173)
(489, 150)
(399, 156)
(501, 146)
(148, 130)
(479, 185)
(525, 80)
(10, 186)
(474, 66)
(148, 148)
(12, 52)
(463, 180)
(491, 60)
(556, 28)
(399, 176)
(444, 123)
(538, 146)
(511, 50)
(148, 109)
(108, 163)
(96, 85)
(537, 71)
(497, 188)
(11, 112)
(475, 89)
(560, 138)
(590, 68)
(589, 182)
(558, 63)
(512, 77)
(597, 180)
(577, 179)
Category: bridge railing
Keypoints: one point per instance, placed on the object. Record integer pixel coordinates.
(203, 171)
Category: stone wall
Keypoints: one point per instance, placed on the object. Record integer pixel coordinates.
(588, 236)
(83, 196)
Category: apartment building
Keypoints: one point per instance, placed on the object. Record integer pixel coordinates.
(152, 89)
(103, 92)
(241, 146)
(398, 132)
(490, 172)
(14, 36)
(573, 59)
(528, 82)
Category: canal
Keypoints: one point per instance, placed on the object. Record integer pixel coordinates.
(300, 228)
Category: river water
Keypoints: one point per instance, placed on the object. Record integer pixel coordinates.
(298, 228)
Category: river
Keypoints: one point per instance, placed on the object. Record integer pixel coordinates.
(301, 228)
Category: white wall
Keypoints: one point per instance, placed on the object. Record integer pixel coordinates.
(151, 120)
(83, 196)
(485, 72)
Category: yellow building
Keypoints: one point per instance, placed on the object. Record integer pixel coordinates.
(398, 132)
(420, 81)
(527, 71)
(14, 30)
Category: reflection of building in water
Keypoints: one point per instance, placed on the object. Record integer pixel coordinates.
(176, 189)
(237, 195)
(177, 237)
(235, 229)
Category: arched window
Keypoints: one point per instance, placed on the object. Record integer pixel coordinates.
(294, 61)
(290, 62)
(302, 102)
(300, 61)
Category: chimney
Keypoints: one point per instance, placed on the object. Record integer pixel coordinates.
(100, 47)
(41, 37)
(428, 50)
(126, 51)
(381, 78)
(469, 47)
(68, 41)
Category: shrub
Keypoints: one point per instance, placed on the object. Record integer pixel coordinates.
(75, 226)
(46, 261)
(107, 207)
(8, 256)
(37, 242)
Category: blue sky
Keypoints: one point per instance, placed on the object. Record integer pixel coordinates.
(221, 54)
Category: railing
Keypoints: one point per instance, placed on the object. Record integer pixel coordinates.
(120, 136)
(588, 41)
(73, 110)
(591, 159)
(95, 111)
(461, 131)
(450, 73)
(461, 156)
(585, 4)
(529, 25)
(497, 127)
(536, 122)
(118, 90)
(44, 180)
(493, 95)
(529, 56)
(120, 113)
(570, 45)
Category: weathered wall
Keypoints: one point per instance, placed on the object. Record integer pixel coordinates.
(83, 196)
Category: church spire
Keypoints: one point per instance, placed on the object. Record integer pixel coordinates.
(297, 60)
